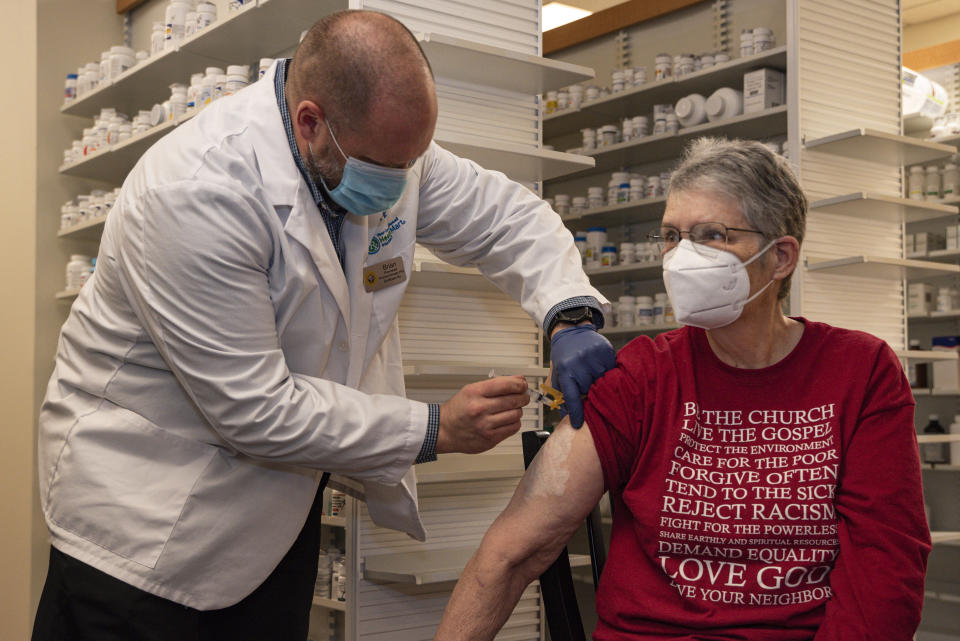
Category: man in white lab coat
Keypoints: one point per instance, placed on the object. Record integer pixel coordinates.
(239, 340)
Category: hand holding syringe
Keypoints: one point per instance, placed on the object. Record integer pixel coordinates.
(546, 395)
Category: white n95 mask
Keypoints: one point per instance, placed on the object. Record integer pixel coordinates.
(708, 287)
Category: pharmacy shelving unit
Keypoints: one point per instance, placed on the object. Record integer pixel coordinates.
(455, 327)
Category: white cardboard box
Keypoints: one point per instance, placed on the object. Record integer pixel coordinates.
(921, 298)
(763, 89)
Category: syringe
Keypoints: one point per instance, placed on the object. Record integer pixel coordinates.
(546, 395)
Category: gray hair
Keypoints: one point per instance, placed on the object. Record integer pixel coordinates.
(760, 181)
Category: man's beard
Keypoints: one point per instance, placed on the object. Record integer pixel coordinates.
(322, 169)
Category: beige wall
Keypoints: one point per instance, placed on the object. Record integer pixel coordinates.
(928, 34)
(45, 40)
(18, 111)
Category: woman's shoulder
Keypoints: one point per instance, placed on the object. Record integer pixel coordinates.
(847, 343)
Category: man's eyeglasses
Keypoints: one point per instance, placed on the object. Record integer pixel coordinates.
(710, 234)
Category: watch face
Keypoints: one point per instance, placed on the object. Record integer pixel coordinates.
(576, 315)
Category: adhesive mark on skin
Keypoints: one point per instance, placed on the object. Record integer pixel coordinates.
(551, 474)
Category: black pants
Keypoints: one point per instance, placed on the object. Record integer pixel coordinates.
(81, 603)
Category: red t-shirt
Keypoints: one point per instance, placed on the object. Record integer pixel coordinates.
(782, 503)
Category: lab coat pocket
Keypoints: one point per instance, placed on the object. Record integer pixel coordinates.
(121, 482)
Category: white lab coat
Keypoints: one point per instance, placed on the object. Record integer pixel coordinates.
(220, 358)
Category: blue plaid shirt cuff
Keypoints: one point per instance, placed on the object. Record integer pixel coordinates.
(570, 303)
(428, 451)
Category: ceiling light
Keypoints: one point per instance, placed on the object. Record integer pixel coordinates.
(556, 14)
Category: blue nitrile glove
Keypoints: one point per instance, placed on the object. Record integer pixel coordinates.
(579, 356)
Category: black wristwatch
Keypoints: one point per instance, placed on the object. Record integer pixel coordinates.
(573, 315)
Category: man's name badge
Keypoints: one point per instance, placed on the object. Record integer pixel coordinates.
(385, 274)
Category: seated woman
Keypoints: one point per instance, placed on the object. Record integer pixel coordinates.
(763, 469)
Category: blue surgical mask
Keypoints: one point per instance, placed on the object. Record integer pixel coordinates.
(365, 188)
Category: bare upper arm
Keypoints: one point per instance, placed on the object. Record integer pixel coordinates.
(555, 495)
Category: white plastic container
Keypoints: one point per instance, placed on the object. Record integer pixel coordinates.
(931, 183)
(580, 242)
(264, 66)
(608, 135)
(550, 103)
(672, 123)
(663, 67)
(121, 59)
(763, 39)
(641, 126)
(237, 79)
(178, 100)
(563, 99)
(951, 184)
(561, 204)
(659, 305)
(627, 254)
(576, 96)
(157, 36)
(691, 110)
(206, 14)
(578, 204)
(190, 24)
(103, 72)
(77, 269)
(639, 76)
(638, 188)
(746, 43)
(595, 197)
(653, 187)
(915, 183)
(175, 21)
(596, 239)
(589, 138)
(617, 83)
(70, 88)
(724, 103)
(644, 310)
(626, 311)
(608, 256)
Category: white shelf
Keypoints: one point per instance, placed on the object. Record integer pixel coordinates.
(469, 467)
(640, 100)
(940, 468)
(938, 438)
(924, 391)
(481, 64)
(619, 273)
(330, 604)
(876, 146)
(637, 211)
(941, 255)
(934, 317)
(433, 273)
(879, 207)
(67, 294)
(945, 537)
(333, 521)
(88, 230)
(425, 373)
(882, 268)
(429, 566)
(638, 330)
(262, 29)
(115, 162)
(520, 162)
(756, 125)
(925, 355)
